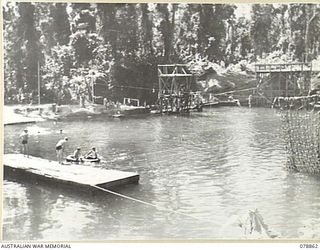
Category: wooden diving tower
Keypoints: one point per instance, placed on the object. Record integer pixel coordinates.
(282, 80)
(175, 93)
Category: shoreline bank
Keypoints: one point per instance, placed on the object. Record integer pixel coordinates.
(21, 114)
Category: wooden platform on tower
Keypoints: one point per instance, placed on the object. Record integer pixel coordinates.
(282, 80)
(175, 89)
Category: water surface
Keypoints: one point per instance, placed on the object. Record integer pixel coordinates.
(214, 166)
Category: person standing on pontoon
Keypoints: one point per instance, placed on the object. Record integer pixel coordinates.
(60, 148)
(24, 137)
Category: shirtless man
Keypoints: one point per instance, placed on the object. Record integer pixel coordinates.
(24, 137)
(77, 154)
(92, 154)
(60, 148)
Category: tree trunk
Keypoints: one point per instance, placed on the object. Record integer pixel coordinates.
(172, 30)
(306, 37)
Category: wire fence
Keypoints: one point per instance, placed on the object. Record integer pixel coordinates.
(301, 130)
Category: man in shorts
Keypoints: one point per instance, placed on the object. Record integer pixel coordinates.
(60, 148)
(24, 137)
(92, 154)
(77, 154)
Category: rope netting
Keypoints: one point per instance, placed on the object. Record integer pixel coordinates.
(301, 130)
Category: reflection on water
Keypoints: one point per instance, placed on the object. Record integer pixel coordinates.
(214, 166)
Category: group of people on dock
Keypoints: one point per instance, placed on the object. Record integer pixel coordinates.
(111, 104)
(60, 146)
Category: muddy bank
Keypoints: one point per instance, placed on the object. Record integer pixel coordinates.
(15, 114)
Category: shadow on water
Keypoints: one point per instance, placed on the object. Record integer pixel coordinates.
(47, 204)
(91, 195)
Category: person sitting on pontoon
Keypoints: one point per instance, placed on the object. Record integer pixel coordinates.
(92, 154)
(77, 154)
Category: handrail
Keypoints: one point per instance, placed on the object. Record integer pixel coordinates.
(172, 65)
(297, 63)
(304, 66)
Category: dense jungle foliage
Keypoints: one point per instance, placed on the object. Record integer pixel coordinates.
(120, 45)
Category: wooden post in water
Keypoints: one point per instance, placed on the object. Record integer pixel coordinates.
(39, 91)
(286, 84)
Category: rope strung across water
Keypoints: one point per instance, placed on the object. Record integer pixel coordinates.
(235, 91)
(229, 222)
(143, 202)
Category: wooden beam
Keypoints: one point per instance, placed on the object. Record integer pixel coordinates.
(172, 65)
(175, 75)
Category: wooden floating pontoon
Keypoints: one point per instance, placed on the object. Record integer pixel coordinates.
(19, 122)
(86, 177)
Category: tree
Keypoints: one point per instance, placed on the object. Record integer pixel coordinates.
(107, 25)
(212, 29)
(166, 28)
(146, 31)
(84, 38)
(121, 44)
(31, 42)
(13, 68)
(242, 42)
(60, 24)
(261, 22)
(22, 50)
(312, 13)
(186, 41)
